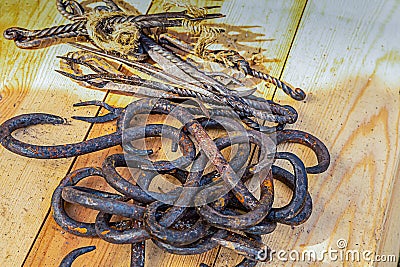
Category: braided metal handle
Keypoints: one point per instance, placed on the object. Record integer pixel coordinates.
(297, 93)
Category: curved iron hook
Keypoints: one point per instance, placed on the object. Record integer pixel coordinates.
(309, 140)
(71, 257)
(50, 152)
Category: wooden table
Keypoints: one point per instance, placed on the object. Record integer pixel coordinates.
(344, 54)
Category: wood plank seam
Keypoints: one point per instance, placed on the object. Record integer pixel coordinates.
(274, 93)
(290, 48)
(283, 66)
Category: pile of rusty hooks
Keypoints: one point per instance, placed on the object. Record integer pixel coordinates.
(207, 210)
(211, 203)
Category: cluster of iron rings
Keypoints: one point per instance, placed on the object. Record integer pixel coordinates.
(205, 209)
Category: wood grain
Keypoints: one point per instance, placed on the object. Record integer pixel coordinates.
(29, 84)
(345, 55)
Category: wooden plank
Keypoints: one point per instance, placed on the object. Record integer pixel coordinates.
(346, 56)
(29, 84)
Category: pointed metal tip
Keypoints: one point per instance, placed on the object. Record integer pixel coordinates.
(62, 57)
(65, 73)
(74, 44)
(83, 47)
(61, 72)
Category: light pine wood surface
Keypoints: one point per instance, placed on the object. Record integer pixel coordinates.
(344, 54)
